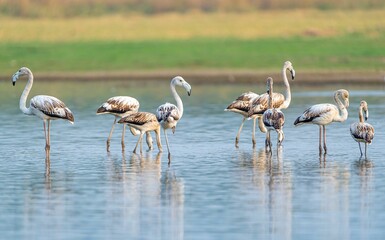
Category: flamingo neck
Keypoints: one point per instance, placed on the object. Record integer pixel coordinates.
(24, 95)
(344, 112)
(178, 100)
(287, 101)
(270, 101)
(361, 115)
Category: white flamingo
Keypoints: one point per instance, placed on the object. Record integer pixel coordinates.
(324, 114)
(143, 122)
(168, 114)
(121, 106)
(280, 101)
(362, 131)
(242, 106)
(273, 118)
(45, 107)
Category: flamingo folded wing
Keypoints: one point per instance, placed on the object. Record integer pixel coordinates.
(52, 107)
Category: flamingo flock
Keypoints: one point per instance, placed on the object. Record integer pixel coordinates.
(266, 108)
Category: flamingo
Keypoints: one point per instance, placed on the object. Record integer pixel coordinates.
(362, 131)
(280, 101)
(242, 106)
(324, 114)
(168, 114)
(45, 107)
(273, 118)
(121, 106)
(143, 122)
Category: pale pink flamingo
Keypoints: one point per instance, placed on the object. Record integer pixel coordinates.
(168, 114)
(326, 113)
(45, 107)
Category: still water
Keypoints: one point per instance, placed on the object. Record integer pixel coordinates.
(211, 190)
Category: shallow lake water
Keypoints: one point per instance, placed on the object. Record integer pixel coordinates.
(211, 190)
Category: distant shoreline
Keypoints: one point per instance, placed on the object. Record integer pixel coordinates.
(216, 76)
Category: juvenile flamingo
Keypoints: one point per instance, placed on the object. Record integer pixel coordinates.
(280, 101)
(143, 122)
(121, 106)
(242, 105)
(362, 131)
(324, 114)
(45, 107)
(273, 118)
(168, 114)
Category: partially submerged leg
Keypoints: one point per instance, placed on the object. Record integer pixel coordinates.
(238, 134)
(158, 141)
(139, 140)
(168, 147)
(320, 139)
(253, 134)
(48, 141)
(123, 134)
(149, 141)
(359, 145)
(324, 133)
(366, 147)
(110, 135)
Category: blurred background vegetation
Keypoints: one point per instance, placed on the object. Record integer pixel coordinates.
(192, 35)
(70, 8)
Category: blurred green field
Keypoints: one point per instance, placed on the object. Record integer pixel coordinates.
(314, 40)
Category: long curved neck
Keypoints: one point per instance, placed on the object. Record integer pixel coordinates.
(178, 100)
(24, 95)
(270, 101)
(287, 101)
(344, 112)
(361, 115)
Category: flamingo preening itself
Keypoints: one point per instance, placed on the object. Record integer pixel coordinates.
(168, 114)
(45, 107)
(326, 113)
(122, 106)
(273, 118)
(362, 131)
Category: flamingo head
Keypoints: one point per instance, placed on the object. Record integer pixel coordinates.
(344, 94)
(179, 81)
(364, 107)
(21, 72)
(288, 66)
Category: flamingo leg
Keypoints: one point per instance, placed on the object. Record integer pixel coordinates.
(253, 134)
(47, 138)
(137, 143)
(238, 134)
(45, 134)
(359, 145)
(366, 146)
(320, 139)
(324, 133)
(168, 147)
(281, 137)
(149, 141)
(110, 135)
(158, 142)
(123, 134)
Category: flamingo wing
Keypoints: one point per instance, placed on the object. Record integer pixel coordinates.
(319, 113)
(119, 105)
(52, 107)
(242, 103)
(166, 111)
(260, 104)
(362, 132)
(139, 118)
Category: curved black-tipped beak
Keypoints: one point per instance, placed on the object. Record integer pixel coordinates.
(292, 74)
(13, 83)
(189, 92)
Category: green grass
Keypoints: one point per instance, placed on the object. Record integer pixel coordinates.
(320, 54)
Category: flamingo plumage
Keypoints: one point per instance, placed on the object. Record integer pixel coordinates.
(361, 131)
(45, 107)
(169, 114)
(121, 106)
(143, 122)
(273, 118)
(260, 104)
(241, 105)
(326, 113)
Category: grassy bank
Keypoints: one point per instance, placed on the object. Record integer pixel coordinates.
(260, 41)
(312, 54)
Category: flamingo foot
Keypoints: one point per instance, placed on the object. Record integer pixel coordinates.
(169, 159)
(108, 145)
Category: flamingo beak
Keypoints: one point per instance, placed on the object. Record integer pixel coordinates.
(292, 71)
(366, 115)
(189, 92)
(14, 78)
